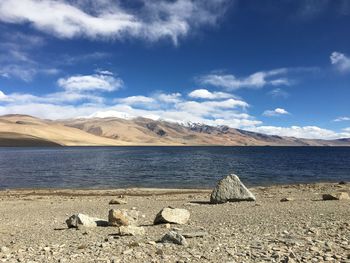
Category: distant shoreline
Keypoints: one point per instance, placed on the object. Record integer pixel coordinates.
(157, 145)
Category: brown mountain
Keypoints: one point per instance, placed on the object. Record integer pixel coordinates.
(23, 130)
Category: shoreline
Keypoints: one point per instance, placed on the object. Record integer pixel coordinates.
(174, 145)
(146, 191)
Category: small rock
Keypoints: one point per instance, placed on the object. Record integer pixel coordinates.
(159, 252)
(342, 182)
(230, 189)
(336, 196)
(286, 199)
(85, 221)
(172, 215)
(128, 251)
(131, 231)
(174, 238)
(4, 250)
(118, 202)
(122, 217)
(82, 246)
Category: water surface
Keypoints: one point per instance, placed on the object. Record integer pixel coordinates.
(173, 167)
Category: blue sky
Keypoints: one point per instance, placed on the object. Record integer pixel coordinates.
(278, 68)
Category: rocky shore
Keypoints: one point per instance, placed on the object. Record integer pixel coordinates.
(290, 223)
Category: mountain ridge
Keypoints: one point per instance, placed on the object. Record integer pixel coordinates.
(25, 130)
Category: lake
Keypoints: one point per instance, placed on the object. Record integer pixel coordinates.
(169, 167)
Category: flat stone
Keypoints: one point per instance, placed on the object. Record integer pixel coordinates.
(131, 231)
(118, 202)
(78, 220)
(287, 199)
(172, 215)
(230, 189)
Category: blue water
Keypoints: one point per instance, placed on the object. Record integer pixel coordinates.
(175, 167)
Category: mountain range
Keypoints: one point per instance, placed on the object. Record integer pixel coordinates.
(24, 130)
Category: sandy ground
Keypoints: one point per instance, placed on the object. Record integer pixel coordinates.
(306, 229)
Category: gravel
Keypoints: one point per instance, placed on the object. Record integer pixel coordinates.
(304, 229)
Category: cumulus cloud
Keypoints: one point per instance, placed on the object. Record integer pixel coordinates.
(81, 83)
(275, 112)
(340, 61)
(206, 94)
(77, 88)
(257, 80)
(347, 130)
(307, 132)
(109, 19)
(343, 118)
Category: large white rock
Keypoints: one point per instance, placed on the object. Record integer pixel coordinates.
(230, 189)
(85, 220)
(172, 215)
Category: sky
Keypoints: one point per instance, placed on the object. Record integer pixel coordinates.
(275, 67)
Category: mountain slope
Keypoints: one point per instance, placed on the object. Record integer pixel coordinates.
(23, 130)
(147, 131)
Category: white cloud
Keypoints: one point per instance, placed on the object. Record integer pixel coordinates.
(104, 72)
(256, 80)
(307, 132)
(69, 59)
(275, 112)
(278, 92)
(3, 97)
(81, 83)
(213, 108)
(75, 89)
(18, 71)
(136, 100)
(347, 130)
(16, 56)
(340, 61)
(343, 118)
(55, 98)
(108, 19)
(206, 94)
(168, 98)
(170, 107)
